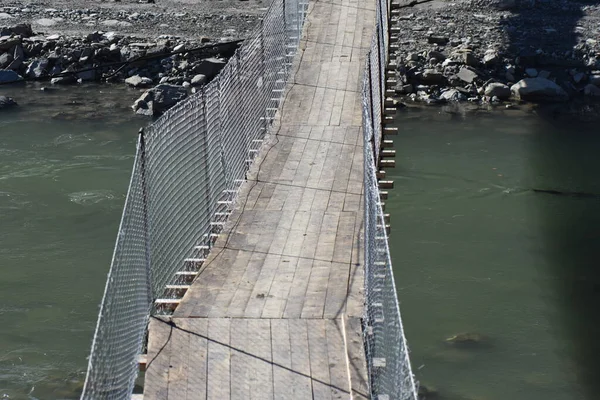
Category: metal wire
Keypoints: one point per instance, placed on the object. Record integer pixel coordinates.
(389, 368)
(189, 165)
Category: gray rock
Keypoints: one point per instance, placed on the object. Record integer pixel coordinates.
(466, 75)
(453, 95)
(595, 79)
(199, 80)
(544, 74)
(5, 60)
(209, 67)
(438, 39)
(465, 56)
(37, 68)
(166, 96)
(436, 55)
(432, 77)
(23, 30)
(538, 89)
(412, 57)
(499, 90)
(7, 102)
(137, 81)
(9, 76)
(579, 77)
(142, 107)
(491, 57)
(89, 75)
(159, 99)
(591, 90)
(531, 72)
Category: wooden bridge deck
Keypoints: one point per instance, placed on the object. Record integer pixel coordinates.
(275, 314)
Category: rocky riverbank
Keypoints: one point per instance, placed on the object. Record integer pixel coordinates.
(494, 51)
(169, 48)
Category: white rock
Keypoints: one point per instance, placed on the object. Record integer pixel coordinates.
(45, 22)
(4, 15)
(538, 89)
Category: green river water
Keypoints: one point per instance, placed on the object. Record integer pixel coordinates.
(475, 250)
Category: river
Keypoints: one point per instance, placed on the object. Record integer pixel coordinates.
(65, 161)
(474, 248)
(477, 250)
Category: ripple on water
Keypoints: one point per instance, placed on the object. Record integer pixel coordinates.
(89, 197)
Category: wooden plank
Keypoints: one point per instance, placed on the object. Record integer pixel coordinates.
(300, 385)
(297, 294)
(179, 361)
(278, 293)
(336, 354)
(198, 358)
(261, 365)
(240, 361)
(240, 299)
(356, 359)
(159, 355)
(319, 366)
(337, 290)
(283, 374)
(219, 357)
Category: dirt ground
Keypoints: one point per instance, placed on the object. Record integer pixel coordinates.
(193, 19)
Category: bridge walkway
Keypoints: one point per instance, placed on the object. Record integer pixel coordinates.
(275, 312)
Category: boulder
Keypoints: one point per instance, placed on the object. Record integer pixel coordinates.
(453, 95)
(438, 40)
(591, 90)
(23, 30)
(9, 76)
(467, 75)
(37, 68)
(432, 77)
(594, 80)
(159, 99)
(209, 67)
(538, 89)
(7, 102)
(436, 55)
(5, 60)
(199, 80)
(499, 90)
(465, 56)
(491, 57)
(137, 81)
(166, 96)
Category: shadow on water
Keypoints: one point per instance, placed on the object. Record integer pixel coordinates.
(570, 231)
(571, 222)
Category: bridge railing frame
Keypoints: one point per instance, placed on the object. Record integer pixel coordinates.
(188, 167)
(388, 361)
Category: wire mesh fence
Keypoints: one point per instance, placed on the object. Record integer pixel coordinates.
(188, 167)
(388, 363)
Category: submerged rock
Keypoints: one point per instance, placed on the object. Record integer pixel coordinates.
(7, 76)
(7, 102)
(467, 338)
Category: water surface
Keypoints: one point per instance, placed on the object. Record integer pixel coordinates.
(65, 160)
(475, 249)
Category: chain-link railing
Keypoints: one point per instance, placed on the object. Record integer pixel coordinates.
(390, 372)
(188, 167)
